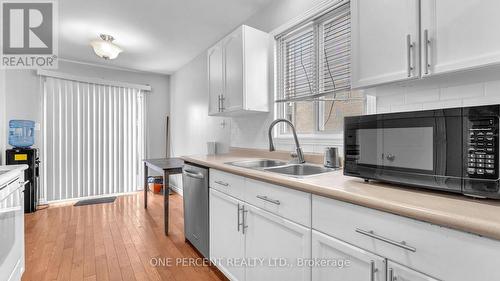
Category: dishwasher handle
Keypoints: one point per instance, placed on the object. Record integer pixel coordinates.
(193, 174)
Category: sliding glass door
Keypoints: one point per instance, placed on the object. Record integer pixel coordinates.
(93, 139)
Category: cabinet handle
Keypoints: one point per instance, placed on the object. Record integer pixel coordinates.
(222, 183)
(372, 234)
(244, 226)
(265, 198)
(426, 51)
(373, 270)
(218, 103)
(222, 98)
(409, 47)
(239, 221)
(391, 274)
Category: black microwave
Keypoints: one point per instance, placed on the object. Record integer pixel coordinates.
(453, 149)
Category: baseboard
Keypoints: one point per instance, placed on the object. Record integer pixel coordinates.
(176, 189)
(88, 197)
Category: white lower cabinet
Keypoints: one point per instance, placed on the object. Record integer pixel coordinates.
(335, 260)
(12, 256)
(248, 243)
(439, 252)
(279, 245)
(397, 272)
(260, 231)
(227, 244)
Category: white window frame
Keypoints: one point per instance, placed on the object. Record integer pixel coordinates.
(318, 137)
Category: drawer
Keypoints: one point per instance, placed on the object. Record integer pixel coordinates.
(288, 203)
(8, 188)
(440, 252)
(227, 183)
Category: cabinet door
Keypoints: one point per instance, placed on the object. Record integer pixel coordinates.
(461, 34)
(215, 78)
(397, 272)
(233, 72)
(384, 41)
(226, 240)
(276, 245)
(343, 262)
(12, 230)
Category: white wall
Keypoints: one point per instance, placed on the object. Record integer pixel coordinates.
(23, 97)
(3, 129)
(191, 125)
(189, 88)
(471, 88)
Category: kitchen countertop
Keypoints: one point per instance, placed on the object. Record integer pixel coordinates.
(9, 172)
(478, 216)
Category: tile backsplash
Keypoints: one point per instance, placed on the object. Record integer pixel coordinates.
(471, 88)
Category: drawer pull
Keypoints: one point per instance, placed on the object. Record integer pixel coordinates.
(222, 183)
(373, 270)
(372, 234)
(244, 223)
(7, 184)
(265, 198)
(240, 208)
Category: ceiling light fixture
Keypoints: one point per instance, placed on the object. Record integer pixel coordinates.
(105, 48)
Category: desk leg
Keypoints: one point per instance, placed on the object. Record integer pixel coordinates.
(166, 193)
(145, 186)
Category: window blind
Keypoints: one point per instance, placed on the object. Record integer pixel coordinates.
(298, 64)
(335, 66)
(314, 58)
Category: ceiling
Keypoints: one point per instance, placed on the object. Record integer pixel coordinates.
(156, 35)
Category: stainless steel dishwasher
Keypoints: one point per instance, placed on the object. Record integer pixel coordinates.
(195, 195)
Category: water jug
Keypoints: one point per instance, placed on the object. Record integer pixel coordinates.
(21, 133)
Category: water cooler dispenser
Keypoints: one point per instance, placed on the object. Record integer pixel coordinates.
(21, 137)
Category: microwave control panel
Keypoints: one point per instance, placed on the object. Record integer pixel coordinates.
(482, 157)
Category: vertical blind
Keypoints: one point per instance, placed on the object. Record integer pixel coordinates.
(93, 139)
(314, 58)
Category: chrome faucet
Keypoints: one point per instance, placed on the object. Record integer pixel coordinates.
(300, 155)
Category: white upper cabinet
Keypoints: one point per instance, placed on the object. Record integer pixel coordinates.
(384, 38)
(396, 40)
(238, 73)
(461, 35)
(215, 77)
(233, 98)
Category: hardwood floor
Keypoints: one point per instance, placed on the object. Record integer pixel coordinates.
(110, 242)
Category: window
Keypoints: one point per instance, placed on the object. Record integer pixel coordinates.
(314, 74)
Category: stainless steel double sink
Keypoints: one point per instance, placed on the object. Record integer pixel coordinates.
(282, 167)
